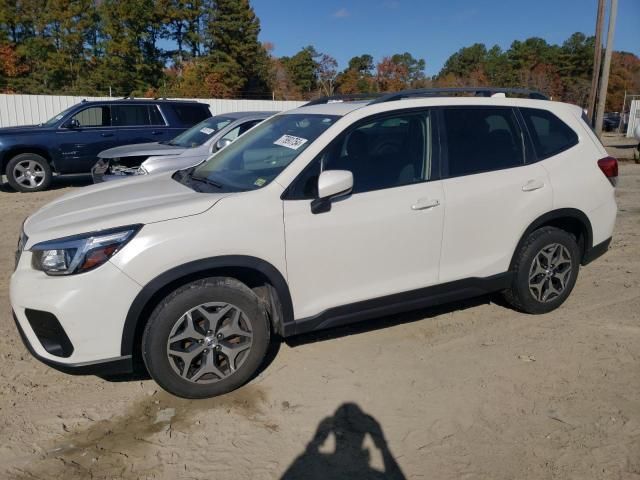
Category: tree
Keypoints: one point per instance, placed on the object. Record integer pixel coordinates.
(232, 37)
(302, 69)
(392, 76)
(415, 68)
(327, 68)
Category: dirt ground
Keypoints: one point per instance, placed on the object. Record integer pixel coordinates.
(470, 390)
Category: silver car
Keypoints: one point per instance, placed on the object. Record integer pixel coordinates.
(186, 150)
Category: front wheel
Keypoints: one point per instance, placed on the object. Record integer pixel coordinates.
(546, 269)
(29, 172)
(207, 338)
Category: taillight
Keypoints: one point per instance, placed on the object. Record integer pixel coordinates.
(609, 166)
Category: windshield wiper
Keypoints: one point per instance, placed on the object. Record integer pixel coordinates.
(206, 180)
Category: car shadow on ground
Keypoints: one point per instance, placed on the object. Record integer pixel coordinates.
(58, 182)
(141, 373)
(350, 458)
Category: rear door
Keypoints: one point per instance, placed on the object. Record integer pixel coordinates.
(78, 147)
(140, 123)
(492, 191)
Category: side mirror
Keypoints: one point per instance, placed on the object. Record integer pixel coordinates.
(73, 123)
(223, 142)
(331, 184)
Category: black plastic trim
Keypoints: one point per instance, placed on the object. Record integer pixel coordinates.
(50, 333)
(557, 215)
(199, 266)
(117, 366)
(596, 251)
(400, 302)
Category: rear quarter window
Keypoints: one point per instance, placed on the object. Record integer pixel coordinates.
(190, 114)
(549, 134)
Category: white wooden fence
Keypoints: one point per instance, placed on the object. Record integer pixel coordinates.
(34, 109)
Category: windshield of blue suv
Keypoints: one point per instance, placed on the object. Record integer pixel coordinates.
(256, 158)
(52, 121)
(200, 133)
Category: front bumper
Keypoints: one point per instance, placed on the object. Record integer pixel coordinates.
(104, 171)
(90, 309)
(113, 366)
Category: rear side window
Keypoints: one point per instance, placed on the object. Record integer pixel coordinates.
(191, 114)
(131, 115)
(481, 139)
(155, 116)
(550, 135)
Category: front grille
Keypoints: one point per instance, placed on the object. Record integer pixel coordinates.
(50, 333)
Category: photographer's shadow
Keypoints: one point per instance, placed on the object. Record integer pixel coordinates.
(351, 459)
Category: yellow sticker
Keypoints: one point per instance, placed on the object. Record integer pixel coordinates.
(260, 182)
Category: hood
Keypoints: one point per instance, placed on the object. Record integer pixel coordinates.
(143, 199)
(141, 149)
(22, 129)
(173, 164)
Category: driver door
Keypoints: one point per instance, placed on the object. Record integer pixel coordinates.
(382, 239)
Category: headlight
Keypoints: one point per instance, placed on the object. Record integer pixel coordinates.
(80, 253)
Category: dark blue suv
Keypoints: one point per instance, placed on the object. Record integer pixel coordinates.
(70, 141)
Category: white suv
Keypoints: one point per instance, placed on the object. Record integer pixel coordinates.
(328, 214)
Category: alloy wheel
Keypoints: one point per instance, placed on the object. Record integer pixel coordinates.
(29, 174)
(550, 272)
(209, 342)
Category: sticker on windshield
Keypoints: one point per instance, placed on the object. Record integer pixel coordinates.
(290, 141)
(260, 182)
(207, 130)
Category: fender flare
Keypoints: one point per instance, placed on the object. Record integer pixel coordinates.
(559, 214)
(163, 280)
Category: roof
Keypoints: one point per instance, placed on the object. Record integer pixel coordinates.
(238, 115)
(341, 105)
(332, 108)
(137, 101)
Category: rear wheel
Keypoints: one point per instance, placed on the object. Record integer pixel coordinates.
(206, 338)
(29, 172)
(546, 270)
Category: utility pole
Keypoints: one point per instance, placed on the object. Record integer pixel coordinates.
(604, 84)
(597, 58)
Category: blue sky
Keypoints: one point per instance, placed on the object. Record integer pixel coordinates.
(432, 30)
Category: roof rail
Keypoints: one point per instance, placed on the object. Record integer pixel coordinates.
(441, 92)
(347, 97)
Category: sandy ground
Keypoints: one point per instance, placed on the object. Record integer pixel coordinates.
(471, 390)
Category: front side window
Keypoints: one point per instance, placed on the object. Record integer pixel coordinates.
(131, 115)
(481, 139)
(550, 135)
(255, 159)
(93, 117)
(386, 152)
(200, 133)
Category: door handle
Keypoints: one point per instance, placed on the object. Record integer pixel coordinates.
(532, 185)
(424, 204)
(106, 134)
(156, 132)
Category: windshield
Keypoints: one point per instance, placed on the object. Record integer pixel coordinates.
(200, 133)
(256, 158)
(52, 121)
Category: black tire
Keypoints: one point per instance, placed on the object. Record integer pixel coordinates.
(524, 294)
(164, 369)
(37, 176)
